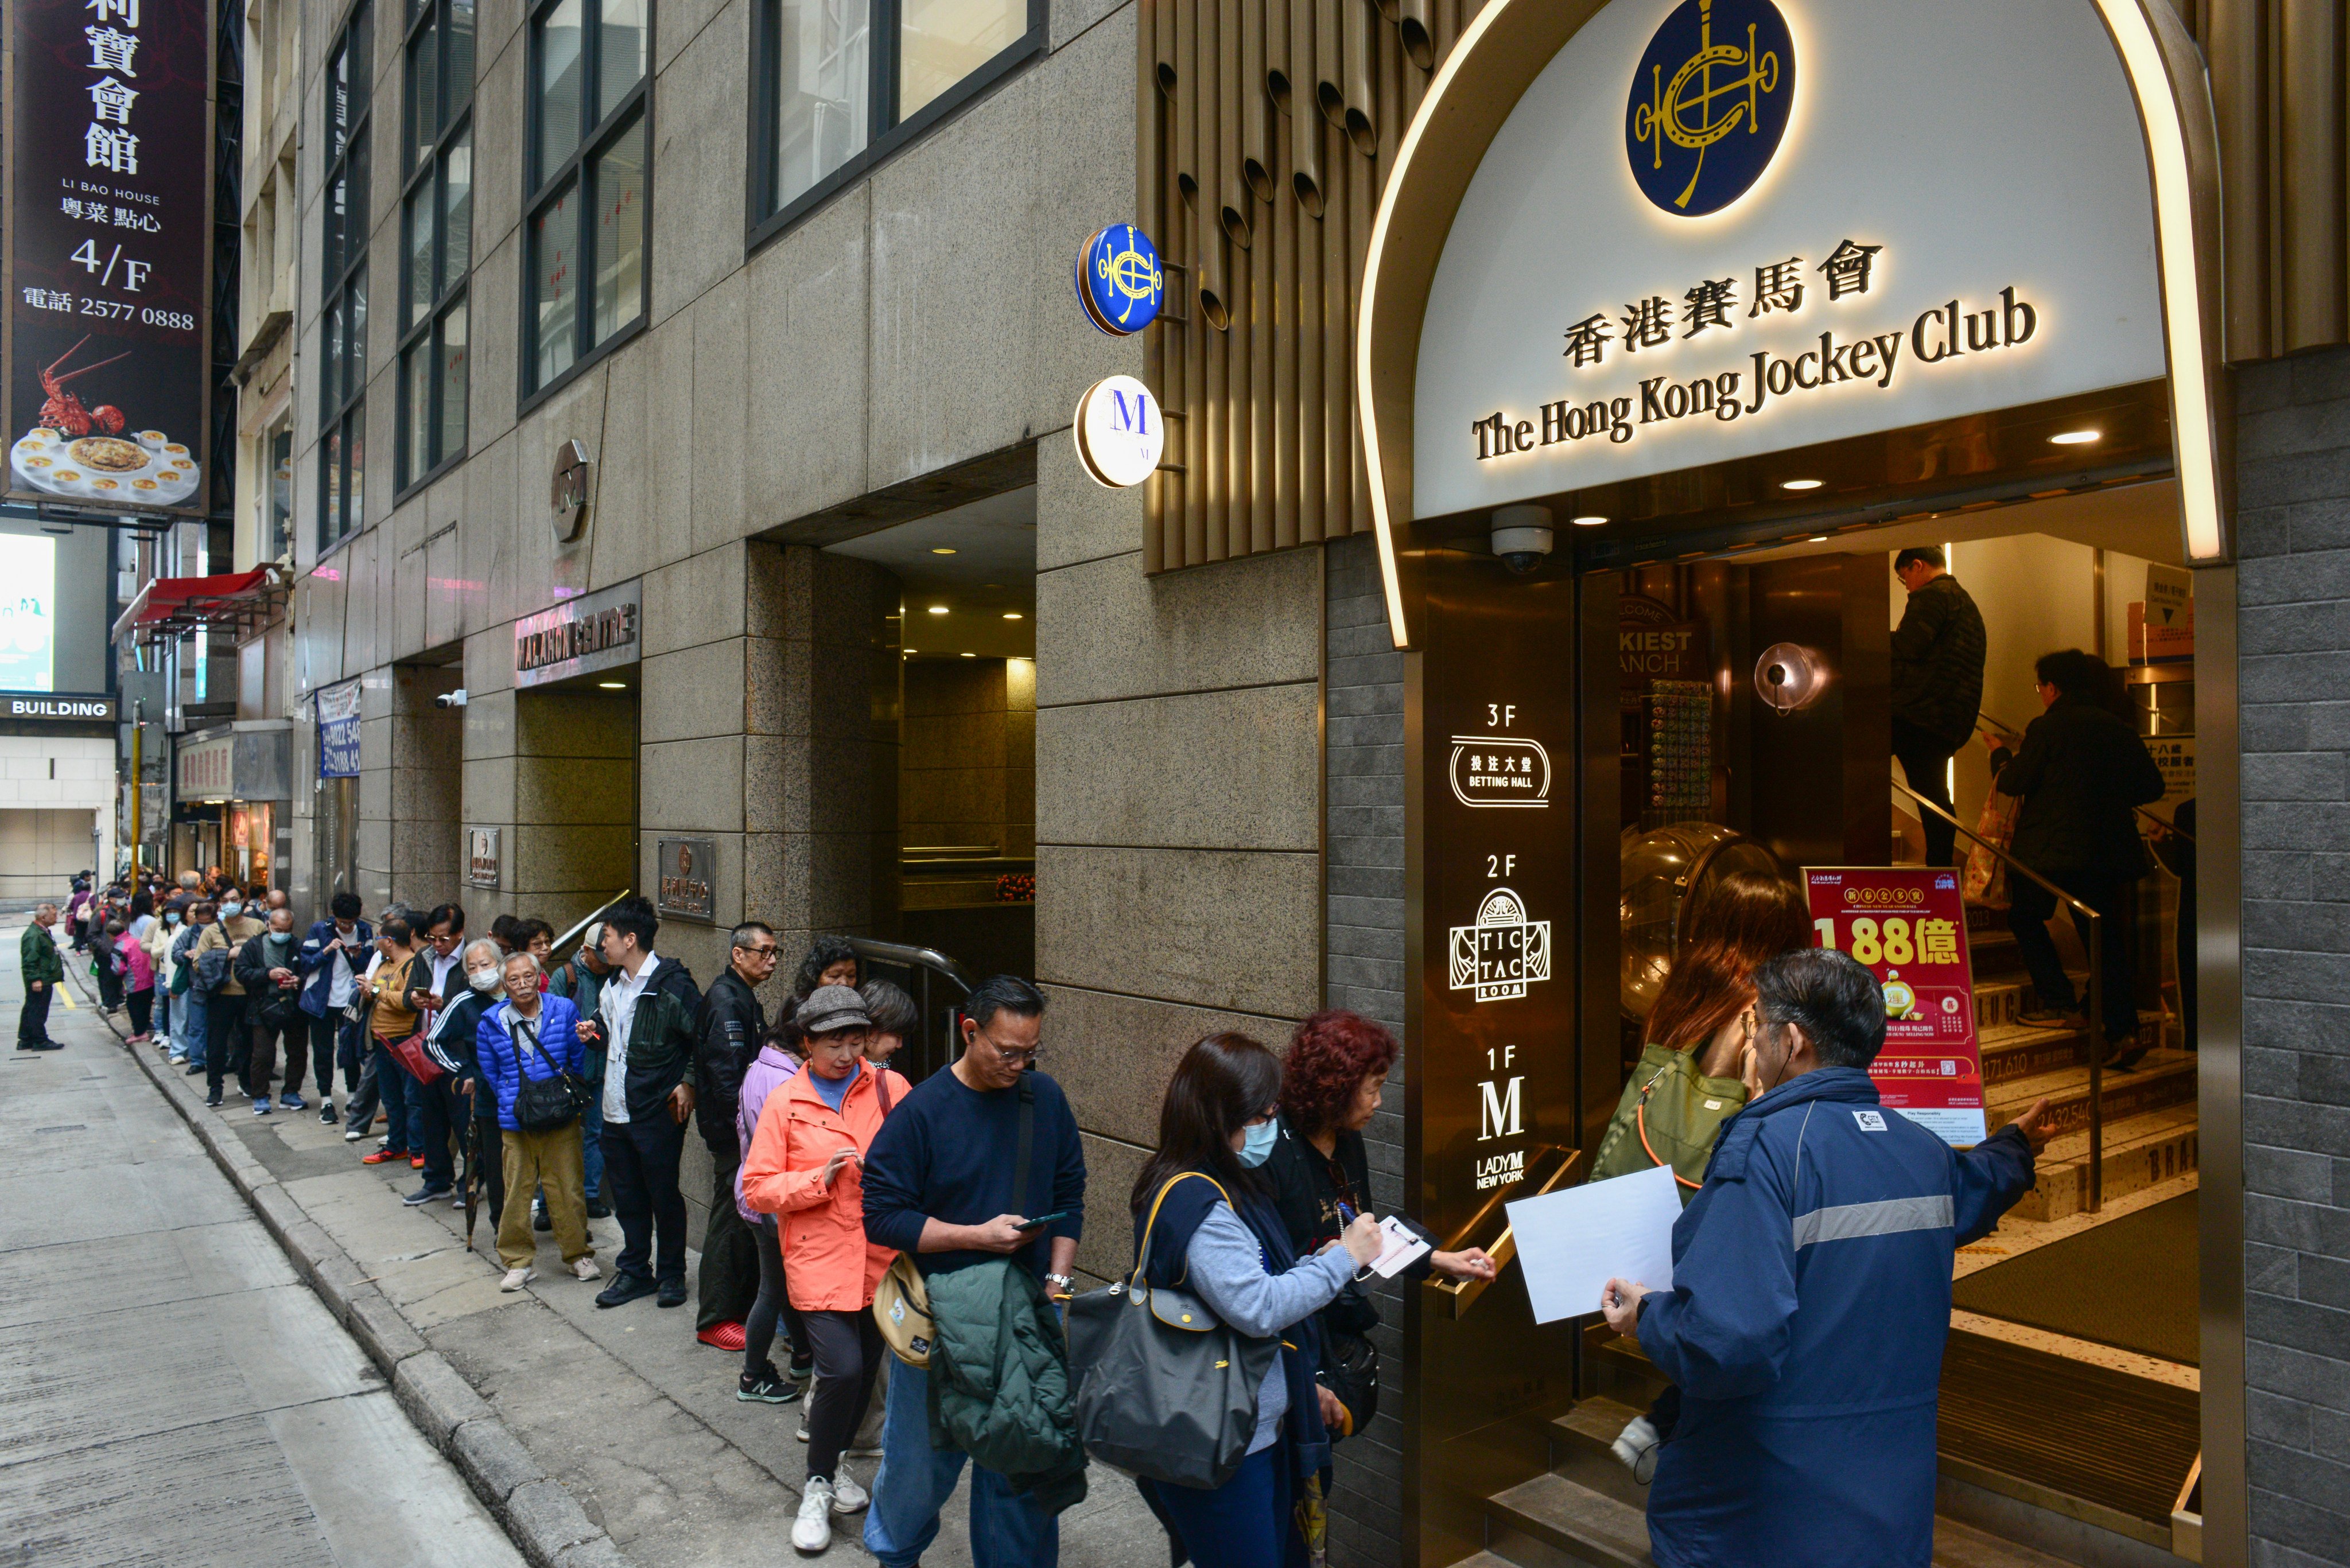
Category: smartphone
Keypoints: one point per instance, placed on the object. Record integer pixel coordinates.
(1042, 1220)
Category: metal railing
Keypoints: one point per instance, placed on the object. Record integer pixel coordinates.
(938, 985)
(2096, 946)
(562, 947)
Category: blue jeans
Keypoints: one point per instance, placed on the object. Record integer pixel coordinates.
(915, 1481)
(1244, 1523)
(188, 1026)
(403, 1100)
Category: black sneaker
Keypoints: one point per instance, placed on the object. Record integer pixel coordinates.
(672, 1293)
(624, 1289)
(539, 1220)
(598, 1210)
(765, 1387)
(803, 1368)
(213, 1100)
(327, 1112)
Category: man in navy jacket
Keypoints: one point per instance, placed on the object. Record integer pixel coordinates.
(1811, 1296)
(332, 960)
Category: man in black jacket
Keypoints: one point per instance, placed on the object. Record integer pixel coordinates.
(728, 1030)
(647, 1010)
(2081, 770)
(452, 1042)
(1937, 679)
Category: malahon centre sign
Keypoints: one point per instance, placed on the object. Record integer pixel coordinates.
(1729, 227)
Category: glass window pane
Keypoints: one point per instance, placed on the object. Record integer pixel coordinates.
(281, 492)
(424, 116)
(340, 109)
(453, 383)
(330, 354)
(559, 69)
(418, 224)
(620, 32)
(820, 76)
(354, 215)
(457, 235)
(360, 31)
(356, 349)
(355, 447)
(619, 187)
(330, 465)
(416, 411)
(331, 262)
(459, 80)
(554, 284)
(939, 42)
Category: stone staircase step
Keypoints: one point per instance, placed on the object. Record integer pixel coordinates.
(2165, 1079)
(1582, 1449)
(1552, 1523)
(2140, 1151)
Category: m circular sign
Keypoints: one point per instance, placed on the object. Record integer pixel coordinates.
(1118, 431)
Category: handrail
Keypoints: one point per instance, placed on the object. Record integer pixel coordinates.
(1463, 1293)
(563, 942)
(912, 958)
(2096, 1009)
(924, 965)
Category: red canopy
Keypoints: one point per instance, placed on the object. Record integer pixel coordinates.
(168, 607)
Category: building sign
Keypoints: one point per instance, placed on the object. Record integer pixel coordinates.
(1908, 926)
(1120, 281)
(1748, 272)
(1118, 431)
(1501, 952)
(483, 865)
(688, 886)
(207, 769)
(42, 708)
(567, 490)
(1500, 770)
(109, 229)
(244, 764)
(338, 731)
(596, 631)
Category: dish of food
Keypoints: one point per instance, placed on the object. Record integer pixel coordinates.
(144, 471)
(112, 453)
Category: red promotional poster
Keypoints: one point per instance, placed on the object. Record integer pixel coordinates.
(1907, 925)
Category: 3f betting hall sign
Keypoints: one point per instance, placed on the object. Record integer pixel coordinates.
(109, 223)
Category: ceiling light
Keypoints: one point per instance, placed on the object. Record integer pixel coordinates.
(1589, 522)
(613, 685)
(941, 550)
(2073, 438)
(1799, 484)
(938, 609)
(910, 652)
(1011, 615)
(1819, 538)
(970, 656)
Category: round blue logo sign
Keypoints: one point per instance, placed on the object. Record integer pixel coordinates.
(1119, 280)
(1709, 103)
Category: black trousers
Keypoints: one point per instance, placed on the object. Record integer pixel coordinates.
(1927, 760)
(33, 1021)
(446, 1112)
(323, 1032)
(848, 1353)
(224, 1026)
(109, 985)
(2116, 902)
(774, 1301)
(640, 1183)
(489, 1159)
(730, 1255)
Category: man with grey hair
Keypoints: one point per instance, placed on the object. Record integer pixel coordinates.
(42, 969)
(727, 1036)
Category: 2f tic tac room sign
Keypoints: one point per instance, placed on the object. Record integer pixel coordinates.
(109, 221)
(1719, 228)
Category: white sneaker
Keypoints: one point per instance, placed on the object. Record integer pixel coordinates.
(518, 1278)
(586, 1269)
(812, 1532)
(1637, 1446)
(848, 1496)
(353, 1134)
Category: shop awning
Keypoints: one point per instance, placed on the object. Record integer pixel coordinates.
(171, 606)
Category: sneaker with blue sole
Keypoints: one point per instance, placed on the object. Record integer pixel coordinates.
(261, 1107)
(424, 1195)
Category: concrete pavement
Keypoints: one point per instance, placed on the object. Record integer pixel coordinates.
(170, 1391)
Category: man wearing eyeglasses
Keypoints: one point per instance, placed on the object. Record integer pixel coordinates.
(728, 1032)
(941, 1184)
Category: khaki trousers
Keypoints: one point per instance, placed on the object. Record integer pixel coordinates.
(549, 1161)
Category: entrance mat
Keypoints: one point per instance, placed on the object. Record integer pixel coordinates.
(2129, 1282)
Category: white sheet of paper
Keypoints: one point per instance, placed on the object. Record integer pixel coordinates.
(1400, 1247)
(1572, 1242)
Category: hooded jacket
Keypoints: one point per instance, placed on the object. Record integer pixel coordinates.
(273, 1003)
(828, 1265)
(316, 963)
(660, 1037)
(768, 1073)
(1810, 1297)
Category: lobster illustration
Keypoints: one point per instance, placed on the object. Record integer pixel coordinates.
(63, 413)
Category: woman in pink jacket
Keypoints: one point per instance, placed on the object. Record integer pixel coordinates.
(806, 1163)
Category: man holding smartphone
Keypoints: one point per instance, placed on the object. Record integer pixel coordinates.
(648, 1006)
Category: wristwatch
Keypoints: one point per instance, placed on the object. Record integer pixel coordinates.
(1062, 1283)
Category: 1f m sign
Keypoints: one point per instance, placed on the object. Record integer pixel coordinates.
(1500, 1110)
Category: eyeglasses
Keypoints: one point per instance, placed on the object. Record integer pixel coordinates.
(1011, 1058)
(768, 951)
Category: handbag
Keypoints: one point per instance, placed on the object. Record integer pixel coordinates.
(545, 1104)
(1166, 1389)
(412, 1056)
(1670, 1114)
(1986, 879)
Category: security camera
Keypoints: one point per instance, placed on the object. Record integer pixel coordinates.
(451, 699)
(1521, 536)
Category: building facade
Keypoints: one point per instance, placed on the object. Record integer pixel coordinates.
(663, 416)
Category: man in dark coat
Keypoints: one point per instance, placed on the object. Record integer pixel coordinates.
(41, 969)
(2081, 770)
(1811, 1296)
(728, 1032)
(1938, 681)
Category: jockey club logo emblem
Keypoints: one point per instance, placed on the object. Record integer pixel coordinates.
(1709, 103)
(1504, 952)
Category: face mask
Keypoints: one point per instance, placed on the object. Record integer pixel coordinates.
(230, 911)
(1256, 1144)
(172, 918)
(481, 979)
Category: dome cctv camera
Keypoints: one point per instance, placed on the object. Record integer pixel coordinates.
(1521, 536)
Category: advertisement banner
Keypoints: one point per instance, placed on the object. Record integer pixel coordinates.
(338, 731)
(109, 232)
(1908, 926)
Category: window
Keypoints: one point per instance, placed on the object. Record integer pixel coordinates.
(277, 504)
(585, 270)
(436, 235)
(342, 328)
(843, 82)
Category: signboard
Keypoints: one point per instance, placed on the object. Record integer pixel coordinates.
(482, 861)
(338, 731)
(28, 612)
(567, 490)
(1908, 926)
(235, 764)
(1120, 281)
(44, 708)
(595, 631)
(109, 222)
(688, 884)
(1118, 431)
(2169, 594)
(207, 769)
(1687, 243)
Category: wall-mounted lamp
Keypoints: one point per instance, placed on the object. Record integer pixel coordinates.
(1789, 676)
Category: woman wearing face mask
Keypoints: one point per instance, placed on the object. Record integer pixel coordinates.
(1203, 1213)
(226, 1033)
(159, 937)
(453, 1043)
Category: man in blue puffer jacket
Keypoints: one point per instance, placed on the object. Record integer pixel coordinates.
(535, 1036)
(1811, 1296)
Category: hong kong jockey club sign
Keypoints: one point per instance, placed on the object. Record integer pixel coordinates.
(1709, 103)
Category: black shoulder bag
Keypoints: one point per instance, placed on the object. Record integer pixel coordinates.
(545, 1104)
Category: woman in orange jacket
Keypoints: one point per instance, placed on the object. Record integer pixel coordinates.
(805, 1164)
